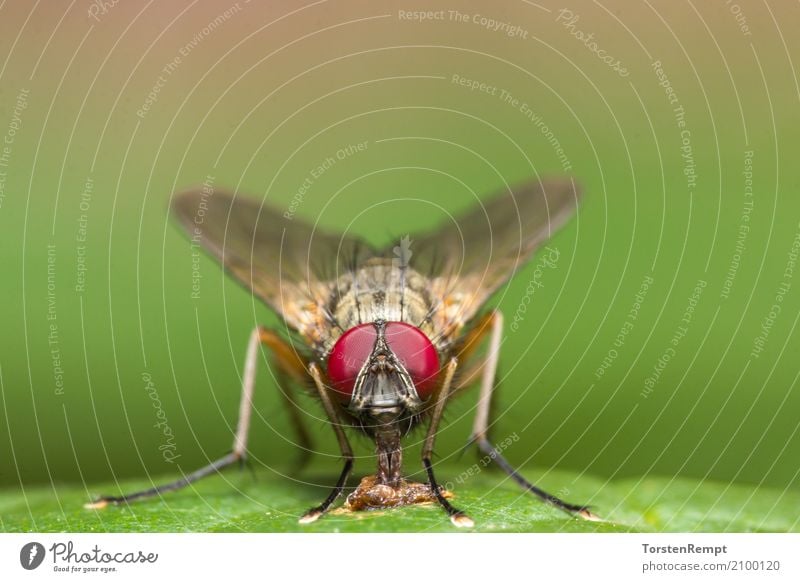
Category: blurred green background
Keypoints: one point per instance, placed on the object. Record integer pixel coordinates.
(97, 282)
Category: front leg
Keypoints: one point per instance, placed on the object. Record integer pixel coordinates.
(315, 513)
(458, 517)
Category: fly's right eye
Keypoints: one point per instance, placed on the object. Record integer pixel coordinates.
(348, 356)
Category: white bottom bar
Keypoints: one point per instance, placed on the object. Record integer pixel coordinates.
(406, 557)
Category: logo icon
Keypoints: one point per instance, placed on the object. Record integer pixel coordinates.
(31, 555)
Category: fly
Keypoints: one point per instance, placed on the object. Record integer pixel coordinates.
(389, 336)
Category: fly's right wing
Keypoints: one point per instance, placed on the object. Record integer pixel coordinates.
(470, 258)
(286, 262)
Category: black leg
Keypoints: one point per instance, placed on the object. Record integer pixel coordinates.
(209, 469)
(239, 442)
(315, 513)
(481, 426)
(457, 517)
(581, 510)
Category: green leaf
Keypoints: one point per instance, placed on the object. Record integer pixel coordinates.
(271, 502)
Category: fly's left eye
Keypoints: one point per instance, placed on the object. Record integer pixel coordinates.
(417, 354)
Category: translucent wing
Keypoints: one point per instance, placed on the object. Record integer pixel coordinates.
(284, 261)
(470, 258)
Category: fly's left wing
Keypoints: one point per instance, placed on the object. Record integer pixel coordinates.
(468, 259)
(286, 262)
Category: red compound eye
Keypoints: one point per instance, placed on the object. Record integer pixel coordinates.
(411, 347)
(349, 354)
(417, 354)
